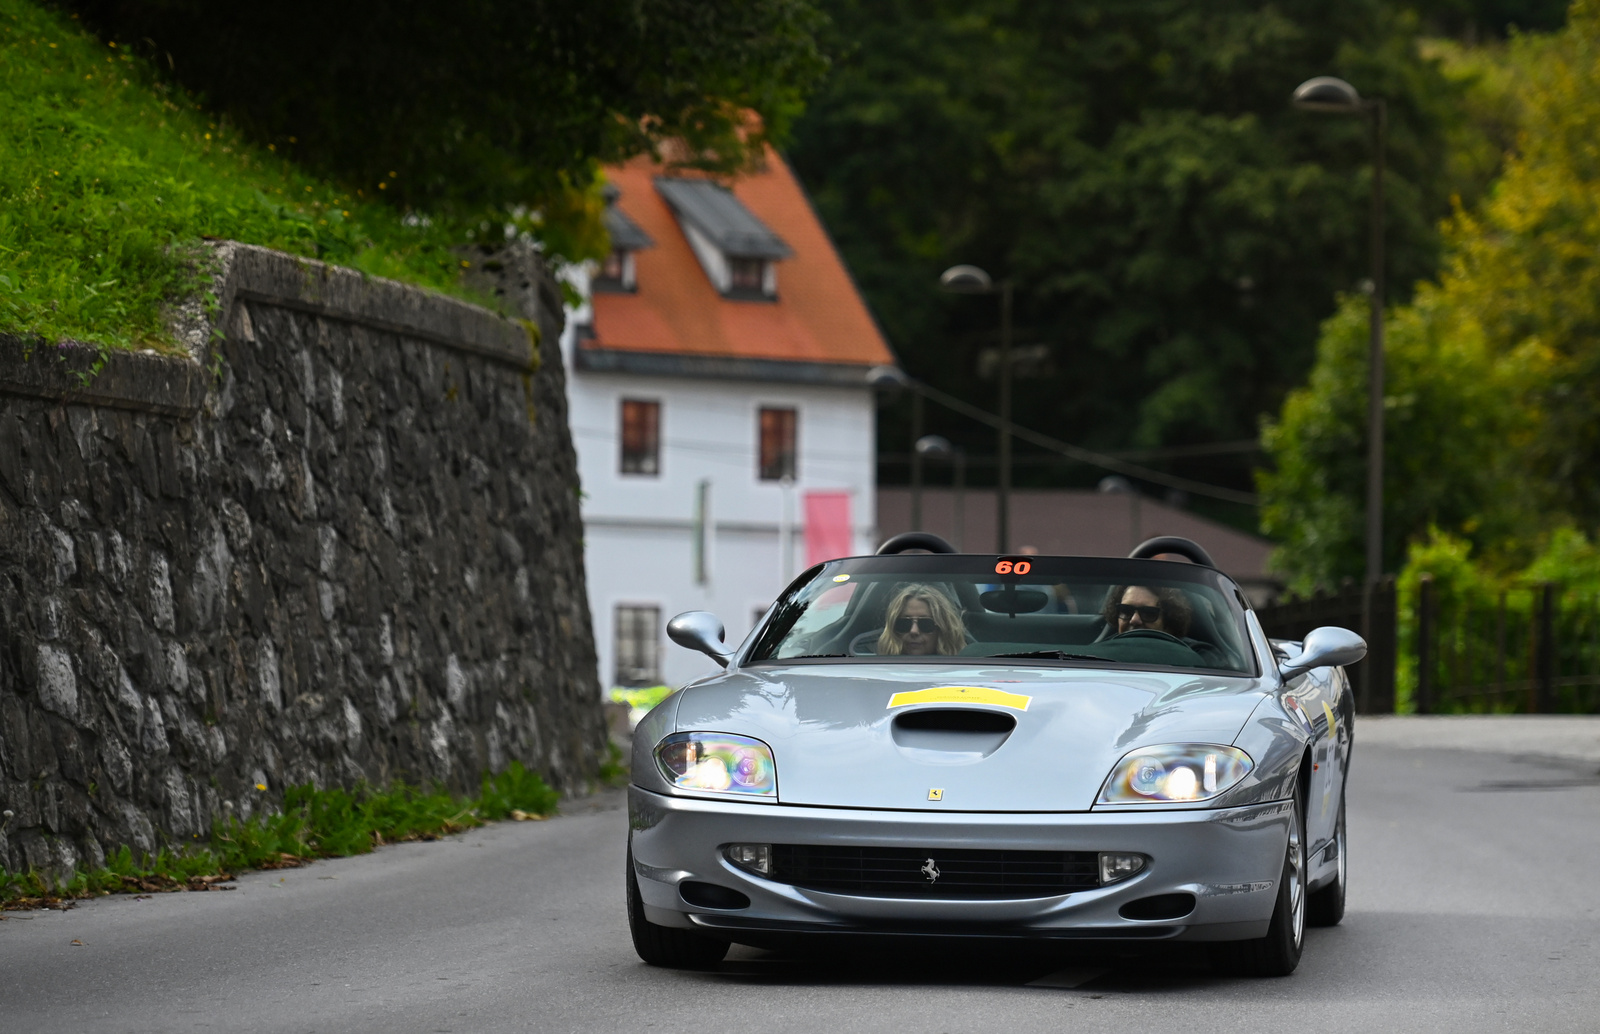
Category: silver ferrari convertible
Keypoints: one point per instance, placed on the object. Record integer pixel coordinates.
(939, 744)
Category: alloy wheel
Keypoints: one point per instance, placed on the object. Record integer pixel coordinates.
(1297, 880)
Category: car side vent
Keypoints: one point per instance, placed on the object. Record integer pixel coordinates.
(956, 720)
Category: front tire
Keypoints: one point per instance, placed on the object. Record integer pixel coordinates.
(1278, 953)
(1325, 905)
(664, 945)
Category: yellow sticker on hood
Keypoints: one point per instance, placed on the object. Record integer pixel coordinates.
(961, 695)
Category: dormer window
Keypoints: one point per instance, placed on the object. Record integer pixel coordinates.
(617, 271)
(746, 275)
(738, 252)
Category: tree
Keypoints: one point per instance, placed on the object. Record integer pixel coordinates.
(473, 109)
(1471, 18)
(1446, 421)
(1494, 390)
(1176, 231)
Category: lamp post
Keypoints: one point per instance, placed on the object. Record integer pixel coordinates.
(1326, 93)
(972, 280)
(917, 452)
(929, 446)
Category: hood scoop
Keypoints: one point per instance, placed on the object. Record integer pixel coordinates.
(953, 734)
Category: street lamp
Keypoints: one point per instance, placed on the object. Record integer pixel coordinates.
(1326, 93)
(972, 280)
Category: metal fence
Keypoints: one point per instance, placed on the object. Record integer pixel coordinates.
(1373, 680)
(1533, 650)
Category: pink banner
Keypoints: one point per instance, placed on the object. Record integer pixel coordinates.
(827, 526)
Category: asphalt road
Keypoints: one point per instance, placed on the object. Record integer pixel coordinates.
(1475, 906)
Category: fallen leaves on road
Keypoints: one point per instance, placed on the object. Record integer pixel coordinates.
(525, 816)
(39, 901)
(139, 886)
(157, 884)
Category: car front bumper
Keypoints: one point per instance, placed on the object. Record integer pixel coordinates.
(1230, 859)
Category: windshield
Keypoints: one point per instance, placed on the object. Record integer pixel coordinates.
(1149, 614)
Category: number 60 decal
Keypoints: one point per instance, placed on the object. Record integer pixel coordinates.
(1013, 565)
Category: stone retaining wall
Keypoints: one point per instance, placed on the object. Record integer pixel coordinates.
(341, 543)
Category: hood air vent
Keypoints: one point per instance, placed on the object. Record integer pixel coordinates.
(960, 733)
(963, 719)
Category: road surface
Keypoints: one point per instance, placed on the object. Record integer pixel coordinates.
(1474, 906)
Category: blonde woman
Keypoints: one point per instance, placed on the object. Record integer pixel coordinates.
(921, 621)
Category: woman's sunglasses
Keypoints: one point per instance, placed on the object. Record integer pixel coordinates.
(903, 626)
(1149, 615)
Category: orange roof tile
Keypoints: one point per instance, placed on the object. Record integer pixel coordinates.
(818, 316)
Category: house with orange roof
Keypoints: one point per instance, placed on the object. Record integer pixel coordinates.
(717, 381)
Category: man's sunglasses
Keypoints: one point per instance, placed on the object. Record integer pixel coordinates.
(1149, 615)
(903, 626)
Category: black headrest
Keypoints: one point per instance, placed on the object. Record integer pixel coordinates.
(1187, 548)
(908, 540)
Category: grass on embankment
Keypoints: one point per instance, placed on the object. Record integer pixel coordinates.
(109, 178)
(313, 824)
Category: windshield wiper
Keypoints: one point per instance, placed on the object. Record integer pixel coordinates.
(1058, 655)
(810, 656)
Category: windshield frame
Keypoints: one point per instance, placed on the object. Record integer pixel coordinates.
(777, 622)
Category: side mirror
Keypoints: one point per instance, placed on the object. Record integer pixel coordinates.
(699, 630)
(1326, 646)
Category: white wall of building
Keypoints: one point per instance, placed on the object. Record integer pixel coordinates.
(639, 530)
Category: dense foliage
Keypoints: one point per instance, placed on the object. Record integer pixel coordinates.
(1495, 369)
(1476, 18)
(484, 105)
(1176, 230)
(369, 135)
(107, 174)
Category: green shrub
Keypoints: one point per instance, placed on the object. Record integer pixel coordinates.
(312, 824)
(515, 789)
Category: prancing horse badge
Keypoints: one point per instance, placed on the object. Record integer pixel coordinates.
(930, 869)
(935, 795)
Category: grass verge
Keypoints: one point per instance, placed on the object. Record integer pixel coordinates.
(313, 824)
(109, 178)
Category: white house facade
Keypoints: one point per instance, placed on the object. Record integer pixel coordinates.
(719, 407)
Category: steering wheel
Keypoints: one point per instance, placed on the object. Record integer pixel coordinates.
(1150, 633)
(865, 644)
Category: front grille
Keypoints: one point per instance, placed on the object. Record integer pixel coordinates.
(901, 872)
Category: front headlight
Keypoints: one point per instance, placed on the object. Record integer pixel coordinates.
(718, 762)
(1175, 773)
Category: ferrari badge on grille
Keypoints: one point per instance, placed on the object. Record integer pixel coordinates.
(930, 869)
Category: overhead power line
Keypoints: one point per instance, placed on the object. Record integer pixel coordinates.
(1082, 455)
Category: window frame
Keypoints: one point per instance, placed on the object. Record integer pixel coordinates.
(779, 470)
(740, 284)
(639, 466)
(650, 642)
(626, 278)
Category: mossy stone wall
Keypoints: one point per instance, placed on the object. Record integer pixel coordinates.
(339, 542)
